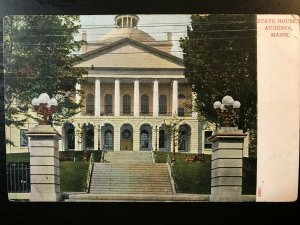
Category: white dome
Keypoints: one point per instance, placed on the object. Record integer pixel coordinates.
(126, 32)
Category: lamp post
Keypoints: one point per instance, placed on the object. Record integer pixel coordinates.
(227, 154)
(227, 110)
(44, 106)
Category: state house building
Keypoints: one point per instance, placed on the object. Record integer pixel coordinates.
(133, 88)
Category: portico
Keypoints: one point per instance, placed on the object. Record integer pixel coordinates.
(140, 102)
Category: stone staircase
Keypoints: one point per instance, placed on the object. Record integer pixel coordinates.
(130, 173)
(128, 157)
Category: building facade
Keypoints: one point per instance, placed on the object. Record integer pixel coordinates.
(135, 89)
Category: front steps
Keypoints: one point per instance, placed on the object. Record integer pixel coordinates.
(131, 178)
(130, 173)
(128, 157)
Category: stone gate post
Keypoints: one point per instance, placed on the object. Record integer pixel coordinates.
(227, 165)
(44, 163)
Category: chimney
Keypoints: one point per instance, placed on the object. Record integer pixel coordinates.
(169, 34)
(84, 43)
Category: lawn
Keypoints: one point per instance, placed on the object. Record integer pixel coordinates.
(189, 177)
(18, 157)
(73, 176)
(195, 177)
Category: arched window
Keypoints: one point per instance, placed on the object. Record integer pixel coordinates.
(144, 139)
(184, 135)
(108, 103)
(182, 140)
(145, 104)
(161, 139)
(89, 138)
(162, 104)
(126, 104)
(70, 137)
(108, 139)
(90, 103)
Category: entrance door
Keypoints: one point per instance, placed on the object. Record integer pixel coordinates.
(126, 140)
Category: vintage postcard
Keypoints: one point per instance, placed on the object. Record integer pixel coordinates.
(152, 108)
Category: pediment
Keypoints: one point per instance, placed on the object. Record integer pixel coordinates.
(128, 53)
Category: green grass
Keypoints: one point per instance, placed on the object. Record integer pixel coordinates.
(195, 177)
(189, 177)
(18, 157)
(63, 155)
(73, 176)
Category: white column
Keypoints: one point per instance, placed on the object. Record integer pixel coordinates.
(96, 136)
(97, 97)
(155, 98)
(136, 98)
(117, 97)
(78, 97)
(175, 97)
(194, 106)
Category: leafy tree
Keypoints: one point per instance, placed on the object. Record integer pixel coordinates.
(220, 59)
(38, 57)
(219, 55)
(173, 132)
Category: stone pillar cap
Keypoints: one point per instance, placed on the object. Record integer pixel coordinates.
(43, 130)
(227, 132)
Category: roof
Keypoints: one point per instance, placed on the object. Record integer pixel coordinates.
(127, 32)
(129, 53)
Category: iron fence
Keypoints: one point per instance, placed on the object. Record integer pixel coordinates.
(18, 177)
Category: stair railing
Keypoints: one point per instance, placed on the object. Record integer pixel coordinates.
(171, 173)
(102, 160)
(153, 157)
(90, 172)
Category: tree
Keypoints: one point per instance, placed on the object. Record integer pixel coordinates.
(39, 57)
(172, 130)
(219, 55)
(220, 59)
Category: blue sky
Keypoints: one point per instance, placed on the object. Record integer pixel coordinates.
(155, 25)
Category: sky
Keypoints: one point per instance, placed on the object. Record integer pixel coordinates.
(155, 25)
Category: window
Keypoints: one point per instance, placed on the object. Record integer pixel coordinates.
(144, 139)
(162, 104)
(23, 138)
(90, 139)
(182, 140)
(207, 143)
(89, 103)
(161, 139)
(108, 139)
(70, 137)
(126, 104)
(145, 104)
(180, 111)
(126, 134)
(108, 103)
